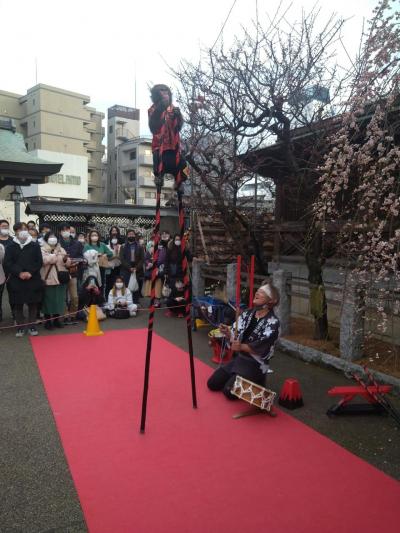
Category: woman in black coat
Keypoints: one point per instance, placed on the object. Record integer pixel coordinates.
(22, 264)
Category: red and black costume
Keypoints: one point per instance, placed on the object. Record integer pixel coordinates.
(165, 123)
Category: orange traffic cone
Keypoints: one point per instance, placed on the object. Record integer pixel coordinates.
(290, 395)
(93, 328)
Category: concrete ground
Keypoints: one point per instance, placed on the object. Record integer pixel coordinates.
(37, 491)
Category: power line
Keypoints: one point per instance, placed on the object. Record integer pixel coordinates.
(223, 25)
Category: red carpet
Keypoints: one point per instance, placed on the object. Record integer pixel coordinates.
(195, 471)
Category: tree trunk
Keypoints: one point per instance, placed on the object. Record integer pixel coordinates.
(318, 304)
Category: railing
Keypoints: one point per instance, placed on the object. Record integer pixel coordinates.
(123, 133)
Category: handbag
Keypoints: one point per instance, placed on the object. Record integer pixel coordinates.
(104, 262)
(133, 285)
(63, 277)
(121, 313)
(166, 290)
(99, 313)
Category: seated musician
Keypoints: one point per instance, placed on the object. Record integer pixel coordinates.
(258, 330)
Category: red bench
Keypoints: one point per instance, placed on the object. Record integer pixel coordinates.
(348, 393)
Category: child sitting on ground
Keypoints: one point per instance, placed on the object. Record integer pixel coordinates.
(176, 301)
(120, 304)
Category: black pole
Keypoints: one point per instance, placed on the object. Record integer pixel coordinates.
(188, 293)
(151, 312)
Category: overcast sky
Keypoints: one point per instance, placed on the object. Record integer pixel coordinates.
(92, 46)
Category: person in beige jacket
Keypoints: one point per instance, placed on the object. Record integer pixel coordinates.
(55, 276)
(2, 277)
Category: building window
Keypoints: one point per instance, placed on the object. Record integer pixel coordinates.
(132, 155)
(132, 175)
(150, 195)
(115, 156)
(147, 151)
(27, 146)
(33, 102)
(34, 124)
(110, 129)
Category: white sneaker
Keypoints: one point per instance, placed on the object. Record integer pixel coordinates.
(20, 332)
(33, 332)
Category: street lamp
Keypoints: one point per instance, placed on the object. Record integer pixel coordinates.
(16, 197)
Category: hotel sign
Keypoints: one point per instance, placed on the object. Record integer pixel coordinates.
(64, 179)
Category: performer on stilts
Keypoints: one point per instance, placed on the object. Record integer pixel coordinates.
(165, 122)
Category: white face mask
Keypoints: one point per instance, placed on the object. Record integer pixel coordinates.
(81, 239)
(114, 241)
(52, 241)
(65, 234)
(141, 241)
(119, 285)
(73, 234)
(94, 238)
(4, 232)
(178, 243)
(23, 235)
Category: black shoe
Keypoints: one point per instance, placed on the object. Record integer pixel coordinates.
(47, 322)
(57, 323)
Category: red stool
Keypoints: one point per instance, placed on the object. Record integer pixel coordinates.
(290, 395)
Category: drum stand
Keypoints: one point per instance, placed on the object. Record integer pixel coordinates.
(255, 411)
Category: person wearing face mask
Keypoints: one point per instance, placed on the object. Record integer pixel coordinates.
(257, 332)
(5, 241)
(105, 254)
(176, 300)
(90, 293)
(120, 303)
(74, 250)
(132, 259)
(114, 234)
(161, 265)
(2, 279)
(174, 259)
(72, 232)
(81, 238)
(33, 232)
(22, 264)
(56, 278)
(114, 243)
(5, 238)
(43, 229)
(31, 224)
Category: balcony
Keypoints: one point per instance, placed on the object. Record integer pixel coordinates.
(91, 127)
(123, 134)
(90, 146)
(146, 181)
(146, 160)
(129, 166)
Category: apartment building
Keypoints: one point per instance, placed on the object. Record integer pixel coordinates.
(130, 176)
(58, 125)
